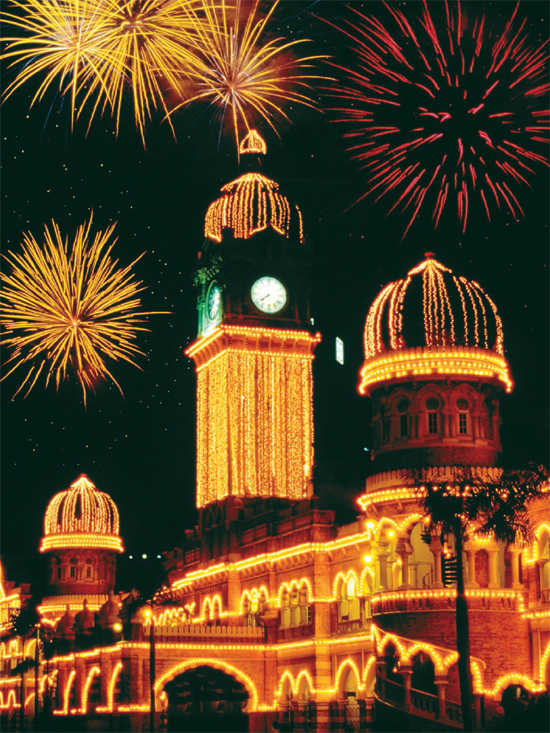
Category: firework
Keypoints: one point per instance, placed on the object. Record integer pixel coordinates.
(240, 72)
(95, 49)
(446, 111)
(68, 310)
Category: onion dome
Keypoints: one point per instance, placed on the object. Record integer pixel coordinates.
(65, 625)
(251, 203)
(109, 612)
(433, 322)
(81, 516)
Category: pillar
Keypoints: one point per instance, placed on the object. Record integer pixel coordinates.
(383, 568)
(79, 681)
(106, 674)
(471, 555)
(441, 693)
(233, 591)
(514, 557)
(492, 559)
(404, 550)
(406, 672)
(323, 716)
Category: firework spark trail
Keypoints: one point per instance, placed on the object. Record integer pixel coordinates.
(459, 103)
(240, 72)
(95, 49)
(65, 310)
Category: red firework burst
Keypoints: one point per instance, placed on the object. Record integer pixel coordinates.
(445, 105)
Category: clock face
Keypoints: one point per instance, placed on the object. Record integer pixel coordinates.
(269, 294)
(214, 302)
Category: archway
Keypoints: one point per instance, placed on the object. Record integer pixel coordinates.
(207, 699)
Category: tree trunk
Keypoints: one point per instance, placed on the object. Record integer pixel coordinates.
(22, 695)
(36, 680)
(152, 660)
(463, 640)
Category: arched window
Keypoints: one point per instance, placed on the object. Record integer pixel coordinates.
(402, 410)
(72, 567)
(89, 568)
(432, 412)
(349, 607)
(463, 409)
(285, 609)
(295, 608)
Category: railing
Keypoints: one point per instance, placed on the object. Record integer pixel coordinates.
(246, 633)
(444, 598)
(423, 704)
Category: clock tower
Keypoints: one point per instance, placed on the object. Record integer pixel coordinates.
(254, 350)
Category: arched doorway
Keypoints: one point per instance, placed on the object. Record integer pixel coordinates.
(206, 699)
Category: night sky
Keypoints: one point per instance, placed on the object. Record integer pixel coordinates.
(140, 448)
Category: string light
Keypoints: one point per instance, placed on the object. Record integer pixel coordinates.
(252, 438)
(111, 691)
(228, 668)
(94, 671)
(466, 361)
(250, 203)
(450, 593)
(469, 353)
(253, 143)
(532, 556)
(66, 694)
(81, 516)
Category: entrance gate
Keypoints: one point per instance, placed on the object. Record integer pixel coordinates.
(206, 699)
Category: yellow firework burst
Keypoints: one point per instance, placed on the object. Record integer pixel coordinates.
(68, 309)
(95, 49)
(239, 71)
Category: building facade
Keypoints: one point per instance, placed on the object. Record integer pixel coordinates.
(275, 615)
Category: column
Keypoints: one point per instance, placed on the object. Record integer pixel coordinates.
(446, 416)
(492, 559)
(471, 555)
(233, 592)
(404, 550)
(406, 672)
(437, 550)
(62, 677)
(383, 570)
(106, 674)
(441, 686)
(514, 557)
(79, 682)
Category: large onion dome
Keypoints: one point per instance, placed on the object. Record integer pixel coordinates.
(252, 203)
(433, 322)
(81, 516)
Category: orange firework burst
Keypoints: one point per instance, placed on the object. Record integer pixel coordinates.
(67, 310)
(94, 49)
(238, 71)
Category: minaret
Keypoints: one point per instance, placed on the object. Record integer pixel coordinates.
(254, 350)
(81, 534)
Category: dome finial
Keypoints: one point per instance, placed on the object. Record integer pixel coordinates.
(253, 143)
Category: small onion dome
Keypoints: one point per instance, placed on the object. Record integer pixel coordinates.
(81, 516)
(433, 322)
(251, 203)
(109, 612)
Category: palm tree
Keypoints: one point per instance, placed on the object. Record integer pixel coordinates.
(24, 624)
(465, 503)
